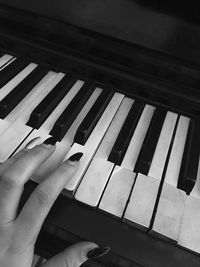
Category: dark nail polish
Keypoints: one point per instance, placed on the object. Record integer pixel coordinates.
(76, 157)
(97, 252)
(50, 141)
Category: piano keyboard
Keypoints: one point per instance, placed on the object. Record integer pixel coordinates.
(139, 160)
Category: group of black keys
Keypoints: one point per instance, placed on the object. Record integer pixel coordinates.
(190, 161)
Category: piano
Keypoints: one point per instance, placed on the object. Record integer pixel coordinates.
(118, 81)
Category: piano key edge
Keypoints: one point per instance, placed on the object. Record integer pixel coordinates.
(133, 245)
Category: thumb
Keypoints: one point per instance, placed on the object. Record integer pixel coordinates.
(73, 256)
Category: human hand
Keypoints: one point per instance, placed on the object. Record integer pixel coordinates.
(18, 233)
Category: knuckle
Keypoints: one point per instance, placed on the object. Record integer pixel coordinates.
(43, 150)
(17, 248)
(44, 197)
(39, 151)
(9, 180)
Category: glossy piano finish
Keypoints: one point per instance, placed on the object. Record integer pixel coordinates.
(129, 67)
(170, 27)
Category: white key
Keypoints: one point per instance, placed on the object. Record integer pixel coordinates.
(189, 235)
(142, 201)
(34, 97)
(162, 147)
(176, 155)
(137, 139)
(5, 59)
(8, 63)
(11, 138)
(7, 88)
(117, 191)
(25, 107)
(169, 212)
(114, 128)
(18, 131)
(171, 202)
(49, 123)
(94, 181)
(46, 127)
(93, 141)
(62, 147)
(97, 174)
(196, 189)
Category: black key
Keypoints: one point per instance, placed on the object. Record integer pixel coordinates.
(126, 132)
(92, 117)
(190, 161)
(148, 148)
(20, 91)
(12, 70)
(72, 110)
(48, 104)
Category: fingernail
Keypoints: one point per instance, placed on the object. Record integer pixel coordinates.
(97, 252)
(31, 144)
(75, 157)
(50, 141)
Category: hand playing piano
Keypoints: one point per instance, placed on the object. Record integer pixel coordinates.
(18, 233)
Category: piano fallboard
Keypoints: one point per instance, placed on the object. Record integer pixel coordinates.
(135, 70)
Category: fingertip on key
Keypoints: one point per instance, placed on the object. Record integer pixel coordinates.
(32, 143)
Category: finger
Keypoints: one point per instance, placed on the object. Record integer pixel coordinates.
(6, 164)
(16, 175)
(73, 256)
(35, 210)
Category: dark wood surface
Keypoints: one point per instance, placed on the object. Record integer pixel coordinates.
(170, 27)
(154, 76)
